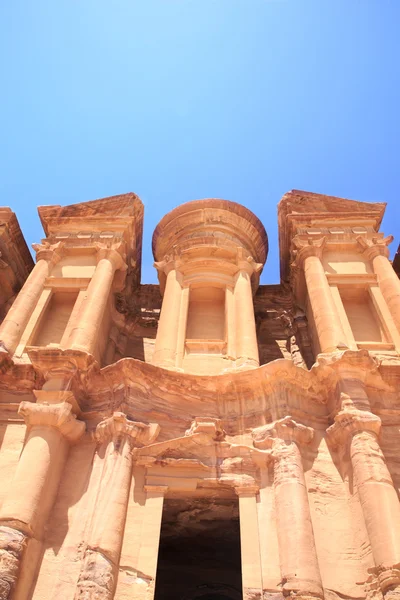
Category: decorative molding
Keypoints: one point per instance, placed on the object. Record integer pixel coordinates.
(208, 425)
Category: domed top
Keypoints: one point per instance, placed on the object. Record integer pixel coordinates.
(210, 222)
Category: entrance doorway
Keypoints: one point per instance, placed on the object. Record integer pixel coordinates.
(199, 556)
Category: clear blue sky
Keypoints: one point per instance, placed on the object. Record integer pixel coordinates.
(183, 99)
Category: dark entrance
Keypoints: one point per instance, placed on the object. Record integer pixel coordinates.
(199, 556)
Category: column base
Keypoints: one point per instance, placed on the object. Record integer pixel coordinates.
(97, 578)
(12, 546)
(389, 581)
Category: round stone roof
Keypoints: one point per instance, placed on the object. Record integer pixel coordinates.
(211, 220)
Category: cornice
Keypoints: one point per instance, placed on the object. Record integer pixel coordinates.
(299, 210)
(275, 390)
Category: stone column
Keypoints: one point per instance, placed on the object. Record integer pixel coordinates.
(377, 252)
(181, 337)
(117, 436)
(21, 310)
(52, 428)
(250, 543)
(150, 538)
(356, 431)
(326, 318)
(165, 351)
(246, 335)
(83, 337)
(298, 558)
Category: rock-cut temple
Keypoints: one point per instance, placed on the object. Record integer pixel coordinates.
(207, 438)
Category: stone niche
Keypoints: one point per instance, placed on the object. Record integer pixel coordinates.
(209, 255)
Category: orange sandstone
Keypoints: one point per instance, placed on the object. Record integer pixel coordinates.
(209, 437)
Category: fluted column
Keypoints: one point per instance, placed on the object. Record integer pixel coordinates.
(356, 431)
(377, 252)
(117, 436)
(26, 508)
(246, 335)
(249, 542)
(326, 318)
(21, 310)
(84, 335)
(297, 553)
(166, 350)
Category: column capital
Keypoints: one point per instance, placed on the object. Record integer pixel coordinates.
(169, 263)
(309, 247)
(59, 416)
(245, 262)
(351, 421)
(119, 425)
(283, 430)
(375, 246)
(113, 254)
(246, 490)
(52, 253)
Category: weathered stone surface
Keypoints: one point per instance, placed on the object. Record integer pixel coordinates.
(12, 544)
(209, 437)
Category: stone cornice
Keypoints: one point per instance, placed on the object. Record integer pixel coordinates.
(305, 210)
(59, 416)
(274, 390)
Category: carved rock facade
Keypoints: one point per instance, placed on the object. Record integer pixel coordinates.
(209, 437)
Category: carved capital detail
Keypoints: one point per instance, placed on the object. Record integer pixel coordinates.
(351, 421)
(119, 425)
(306, 248)
(375, 246)
(286, 430)
(52, 253)
(169, 263)
(246, 490)
(207, 425)
(113, 254)
(247, 263)
(59, 416)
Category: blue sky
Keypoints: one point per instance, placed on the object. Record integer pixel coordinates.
(182, 99)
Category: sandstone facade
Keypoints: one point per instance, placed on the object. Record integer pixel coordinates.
(209, 437)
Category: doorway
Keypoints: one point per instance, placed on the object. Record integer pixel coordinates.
(199, 556)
